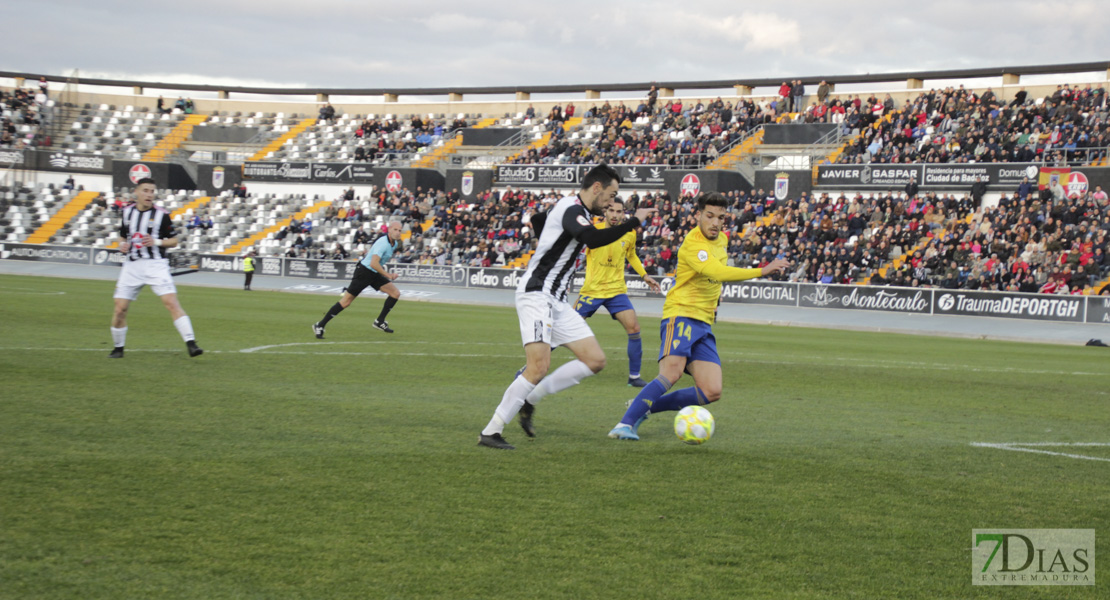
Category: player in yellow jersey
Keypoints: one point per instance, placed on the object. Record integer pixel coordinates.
(605, 286)
(688, 314)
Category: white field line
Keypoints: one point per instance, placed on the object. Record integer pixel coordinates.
(1024, 447)
(28, 291)
(728, 357)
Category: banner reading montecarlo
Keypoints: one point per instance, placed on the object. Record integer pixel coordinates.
(39, 253)
(1039, 307)
(889, 299)
(1098, 309)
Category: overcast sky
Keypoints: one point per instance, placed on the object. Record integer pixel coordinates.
(338, 43)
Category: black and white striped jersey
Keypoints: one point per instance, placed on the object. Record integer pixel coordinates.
(154, 222)
(564, 231)
(552, 266)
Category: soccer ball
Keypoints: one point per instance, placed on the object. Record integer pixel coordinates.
(694, 425)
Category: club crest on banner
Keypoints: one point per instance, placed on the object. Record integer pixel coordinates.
(467, 183)
(218, 178)
(782, 186)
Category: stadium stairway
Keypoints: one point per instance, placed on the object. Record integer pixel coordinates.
(1105, 283)
(521, 261)
(568, 125)
(276, 227)
(426, 225)
(280, 141)
(835, 154)
(729, 159)
(175, 138)
(60, 218)
(195, 204)
(924, 243)
(431, 159)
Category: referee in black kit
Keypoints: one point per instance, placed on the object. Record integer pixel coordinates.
(147, 232)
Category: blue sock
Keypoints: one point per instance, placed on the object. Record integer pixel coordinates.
(635, 354)
(679, 400)
(645, 399)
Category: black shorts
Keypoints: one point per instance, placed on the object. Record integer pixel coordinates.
(365, 277)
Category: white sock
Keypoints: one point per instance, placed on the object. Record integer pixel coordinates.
(185, 328)
(119, 336)
(510, 405)
(568, 375)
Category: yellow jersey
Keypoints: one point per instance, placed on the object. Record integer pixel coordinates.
(605, 267)
(702, 266)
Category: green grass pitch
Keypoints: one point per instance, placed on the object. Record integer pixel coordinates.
(281, 466)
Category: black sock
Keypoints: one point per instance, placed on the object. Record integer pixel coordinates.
(389, 302)
(334, 310)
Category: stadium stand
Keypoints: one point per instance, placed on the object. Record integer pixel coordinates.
(370, 138)
(1040, 242)
(692, 135)
(124, 132)
(957, 125)
(25, 116)
(26, 209)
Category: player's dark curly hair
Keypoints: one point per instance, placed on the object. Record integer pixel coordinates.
(712, 199)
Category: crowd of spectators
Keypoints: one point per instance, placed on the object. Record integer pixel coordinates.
(1028, 241)
(674, 132)
(1029, 244)
(382, 137)
(956, 125)
(841, 238)
(24, 107)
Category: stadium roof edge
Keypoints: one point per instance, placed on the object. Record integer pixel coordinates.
(607, 87)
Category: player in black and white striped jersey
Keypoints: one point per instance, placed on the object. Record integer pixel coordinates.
(146, 232)
(546, 318)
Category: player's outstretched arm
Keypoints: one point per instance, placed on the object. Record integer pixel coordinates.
(705, 263)
(584, 231)
(775, 266)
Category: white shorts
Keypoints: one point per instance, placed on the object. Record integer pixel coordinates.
(134, 274)
(545, 319)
